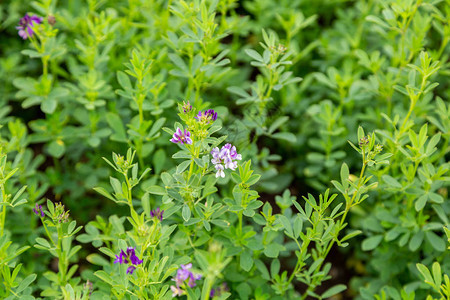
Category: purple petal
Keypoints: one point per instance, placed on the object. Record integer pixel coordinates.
(131, 269)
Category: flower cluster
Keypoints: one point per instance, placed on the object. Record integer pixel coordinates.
(62, 216)
(38, 210)
(157, 213)
(183, 274)
(180, 137)
(128, 257)
(364, 141)
(225, 158)
(26, 25)
(217, 292)
(187, 107)
(207, 116)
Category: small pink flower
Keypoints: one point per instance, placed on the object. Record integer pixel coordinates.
(181, 137)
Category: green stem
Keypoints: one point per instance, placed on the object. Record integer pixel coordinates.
(3, 218)
(129, 196)
(347, 209)
(62, 266)
(240, 224)
(45, 66)
(48, 233)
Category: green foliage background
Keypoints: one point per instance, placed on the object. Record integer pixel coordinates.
(291, 81)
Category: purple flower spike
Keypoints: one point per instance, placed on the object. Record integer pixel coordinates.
(26, 25)
(225, 158)
(183, 274)
(207, 116)
(38, 210)
(158, 213)
(193, 278)
(181, 137)
(131, 269)
(219, 290)
(121, 258)
(128, 257)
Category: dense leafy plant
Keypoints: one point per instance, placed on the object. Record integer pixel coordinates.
(253, 191)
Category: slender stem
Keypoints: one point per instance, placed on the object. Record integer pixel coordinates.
(347, 209)
(240, 224)
(45, 66)
(48, 233)
(3, 218)
(129, 196)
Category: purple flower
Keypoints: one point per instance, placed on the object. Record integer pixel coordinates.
(131, 254)
(128, 257)
(26, 25)
(183, 274)
(38, 210)
(207, 116)
(219, 290)
(121, 258)
(193, 278)
(157, 213)
(225, 158)
(181, 137)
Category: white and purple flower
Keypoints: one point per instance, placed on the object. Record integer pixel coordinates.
(225, 158)
(180, 137)
(26, 25)
(183, 274)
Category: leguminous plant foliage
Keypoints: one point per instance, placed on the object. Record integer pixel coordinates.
(225, 149)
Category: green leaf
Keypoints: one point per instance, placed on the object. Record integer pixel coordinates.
(286, 224)
(48, 105)
(277, 123)
(437, 242)
(25, 283)
(287, 136)
(124, 81)
(105, 193)
(425, 273)
(255, 55)
(273, 250)
(351, 235)
(371, 242)
(437, 275)
(416, 241)
(56, 148)
(43, 242)
(421, 202)
(186, 212)
(391, 181)
(156, 190)
(298, 226)
(97, 259)
(246, 260)
(334, 291)
(262, 269)
(115, 122)
(104, 276)
(345, 173)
